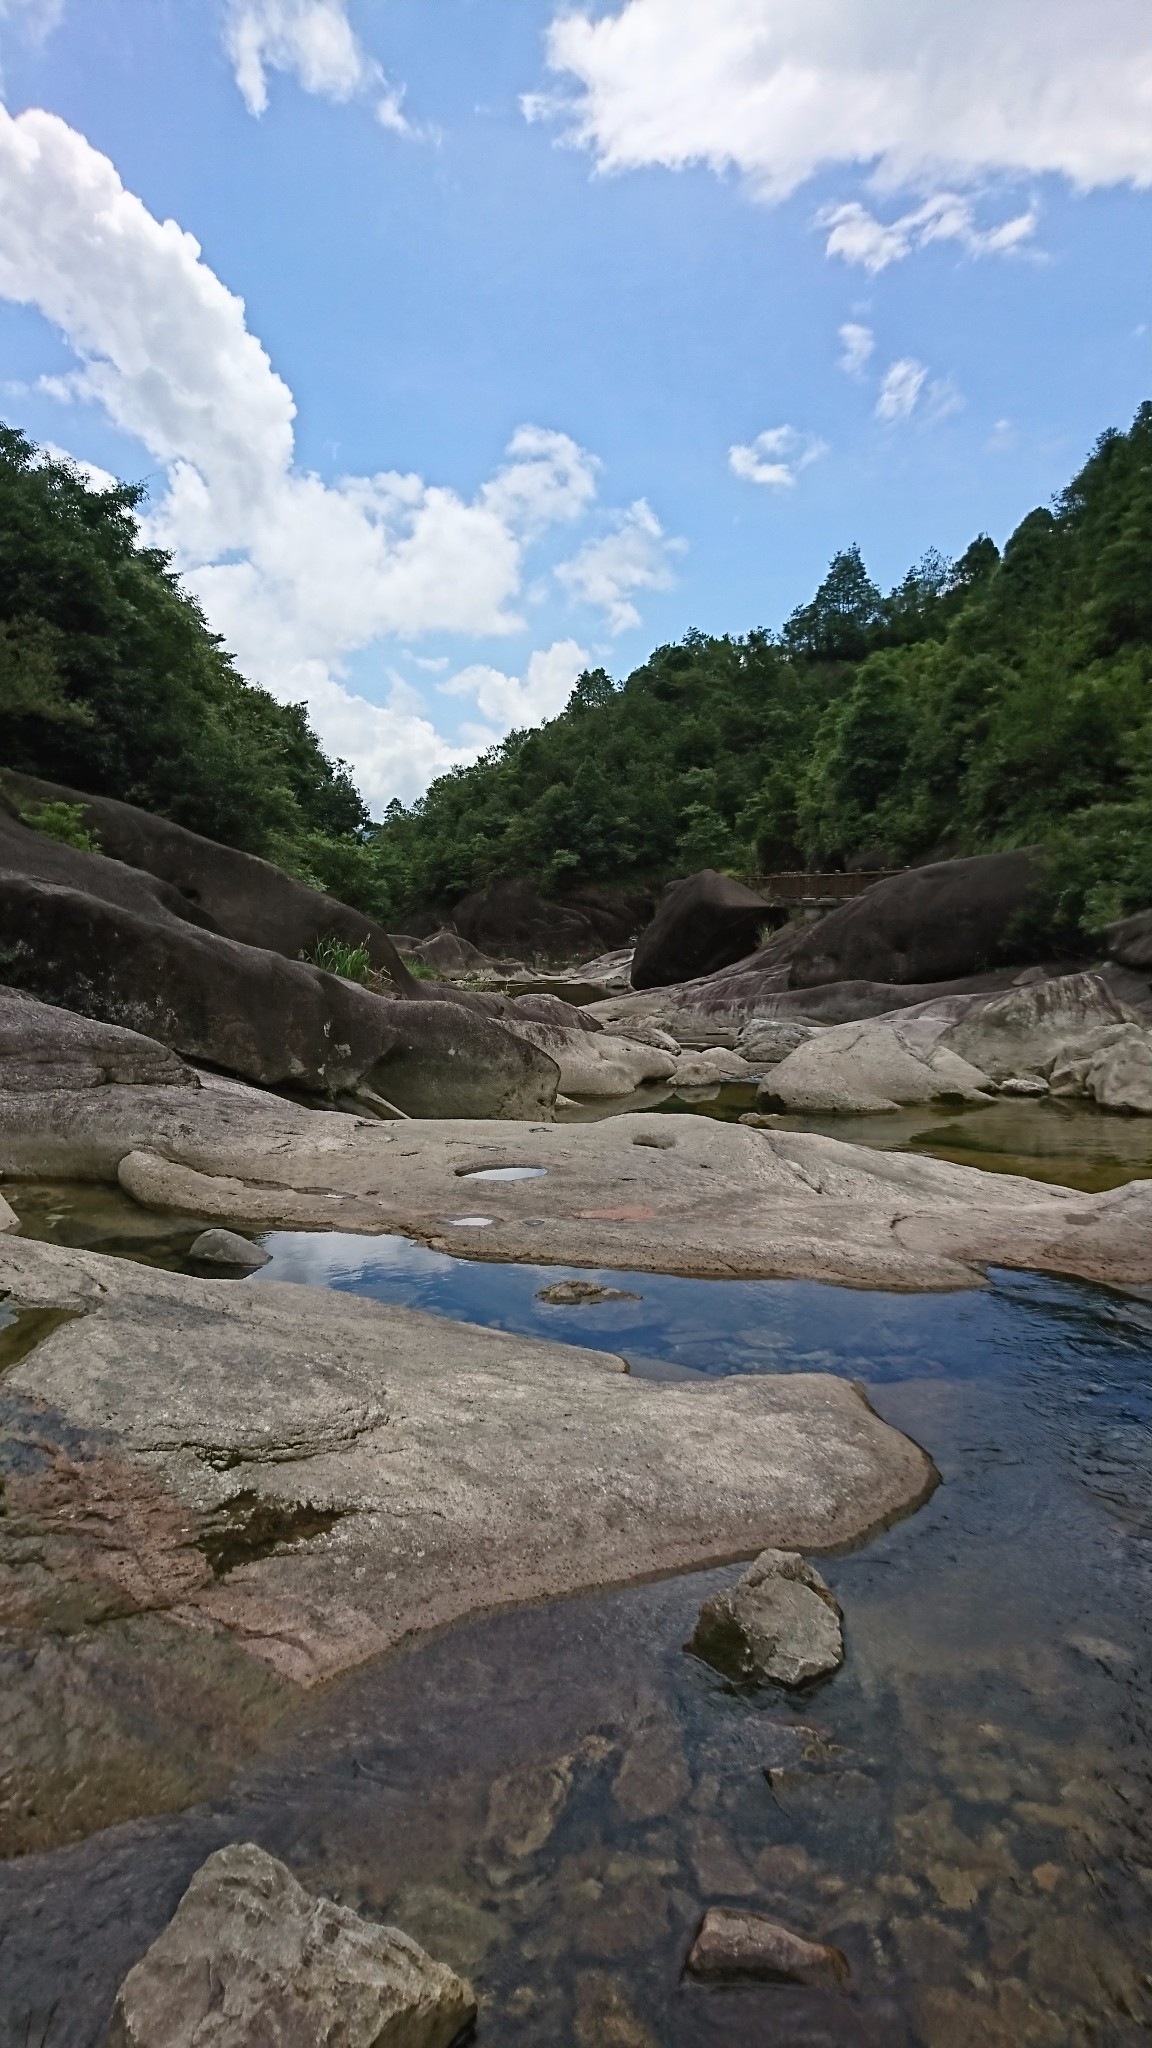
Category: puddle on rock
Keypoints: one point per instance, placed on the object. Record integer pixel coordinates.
(549, 1798)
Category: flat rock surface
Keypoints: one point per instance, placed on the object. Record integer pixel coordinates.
(317, 1475)
(711, 1199)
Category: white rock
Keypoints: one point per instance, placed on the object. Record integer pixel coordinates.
(250, 1956)
(1120, 1076)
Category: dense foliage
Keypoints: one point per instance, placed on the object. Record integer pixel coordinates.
(111, 682)
(996, 701)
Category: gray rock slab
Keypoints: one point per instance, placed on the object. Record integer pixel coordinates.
(250, 1957)
(452, 1468)
(779, 1623)
(42, 1047)
(714, 1199)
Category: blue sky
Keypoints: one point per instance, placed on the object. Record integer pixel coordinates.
(638, 230)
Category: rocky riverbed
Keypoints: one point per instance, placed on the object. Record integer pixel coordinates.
(549, 1799)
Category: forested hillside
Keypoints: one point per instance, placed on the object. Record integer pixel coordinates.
(111, 682)
(995, 701)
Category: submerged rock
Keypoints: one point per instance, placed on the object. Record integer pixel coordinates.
(249, 1956)
(733, 1943)
(778, 1623)
(582, 1293)
(228, 1248)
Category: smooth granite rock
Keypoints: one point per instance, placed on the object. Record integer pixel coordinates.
(228, 1248)
(252, 1960)
(714, 1199)
(317, 1475)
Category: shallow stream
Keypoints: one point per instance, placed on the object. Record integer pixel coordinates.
(548, 1798)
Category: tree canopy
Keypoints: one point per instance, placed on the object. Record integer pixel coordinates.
(1002, 699)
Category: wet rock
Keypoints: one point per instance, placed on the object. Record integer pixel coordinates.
(733, 1943)
(453, 1929)
(717, 1863)
(9, 1220)
(653, 1777)
(525, 1806)
(582, 1294)
(604, 2018)
(250, 1956)
(779, 1623)
(228, 1248)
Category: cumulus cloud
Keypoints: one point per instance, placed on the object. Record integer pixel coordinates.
(780, 90)
(634, 556)
(858, 237)
(776, 456)
(856, 346)
(509, 703)
(297, 573)
(315, 42)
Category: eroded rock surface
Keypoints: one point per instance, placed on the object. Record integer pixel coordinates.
(316, 1475)
(251, 1957)
(670, 1194)
(778, 1623)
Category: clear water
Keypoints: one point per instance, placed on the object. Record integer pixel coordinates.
(965, 1809)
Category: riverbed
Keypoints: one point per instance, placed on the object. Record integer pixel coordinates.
(548, 1798)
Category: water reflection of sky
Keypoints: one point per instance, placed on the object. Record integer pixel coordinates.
(733, 1326)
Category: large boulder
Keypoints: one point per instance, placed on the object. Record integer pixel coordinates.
(511, 919)
(859, 1069)
(93, 936)
(44, 1048)
(702, 923)
(251, 1012)
(1027, 1029)
(444, 1059)
(250, 1957)
(1130, 941)
(936, 923)
(235, 893)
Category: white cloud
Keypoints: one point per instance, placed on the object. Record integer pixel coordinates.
(509, 704)
(779, 89)
(858, 237)
(905, 389)
(297, 574)
(97, 479)
(634, 556)
(776, 456)
(315, 41)
(856, 346)
(900, 389)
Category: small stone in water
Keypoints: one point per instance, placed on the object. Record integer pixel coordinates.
(779, 1622)
(732, 1943)
(228, 1248)
(582, 1293)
